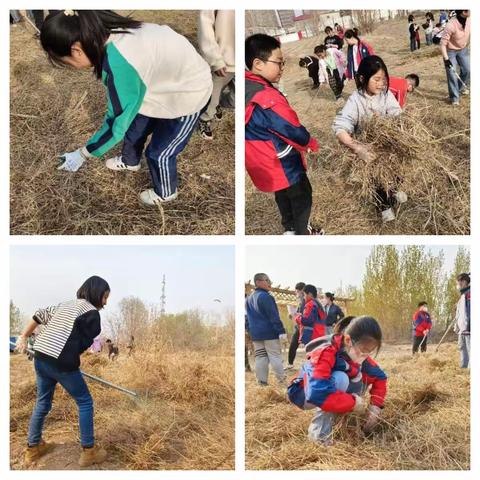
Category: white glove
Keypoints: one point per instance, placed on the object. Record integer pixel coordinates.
(283, 337)
(74, 160)
(21, 344)
(359, 404)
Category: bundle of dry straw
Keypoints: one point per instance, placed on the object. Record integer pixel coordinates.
(409, 155)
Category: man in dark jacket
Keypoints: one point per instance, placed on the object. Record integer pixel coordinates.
(266, 330)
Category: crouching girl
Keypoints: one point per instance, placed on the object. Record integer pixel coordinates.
(338, 372)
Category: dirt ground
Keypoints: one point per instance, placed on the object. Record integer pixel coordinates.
(337, 205)
(183, 418)
(57, 110)
(425, 423)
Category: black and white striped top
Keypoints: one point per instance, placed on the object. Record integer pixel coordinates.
(61, 323)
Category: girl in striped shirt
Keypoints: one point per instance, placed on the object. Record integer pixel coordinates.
(67, 330)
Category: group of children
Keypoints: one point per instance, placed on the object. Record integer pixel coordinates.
(275, 140)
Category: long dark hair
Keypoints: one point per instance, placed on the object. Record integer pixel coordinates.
(91, 28)
(93, 290)
(360, 328)
(368, 67)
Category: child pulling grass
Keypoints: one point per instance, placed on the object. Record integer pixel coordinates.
(338, 372)
(157, 84)
(372, 98)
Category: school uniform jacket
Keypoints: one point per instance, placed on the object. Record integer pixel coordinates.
(68, 329)
(334, 314)
(421, 322)
(152, 71)
(274, 138)
(311, 322)
(363, 50)
(314, 383)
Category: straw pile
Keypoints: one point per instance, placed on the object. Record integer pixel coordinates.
(408, 156)
(57, 110)
(182, 420)
(425, 423)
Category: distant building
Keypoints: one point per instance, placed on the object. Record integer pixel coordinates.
(292, 25)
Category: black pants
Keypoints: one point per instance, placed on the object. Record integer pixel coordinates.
(416, 344)
(292, 351)
(383, 199)
(336, 83)
(295, 205)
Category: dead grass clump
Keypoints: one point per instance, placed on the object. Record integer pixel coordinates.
(182, 419)
(407, 156)
(422, 427)
(55, 110)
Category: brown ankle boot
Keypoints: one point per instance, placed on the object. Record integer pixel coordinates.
(32, 454)
(92, 455)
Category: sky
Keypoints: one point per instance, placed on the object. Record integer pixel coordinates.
(326, 267)
(195, 276)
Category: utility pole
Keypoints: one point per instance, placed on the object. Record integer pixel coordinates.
(163, 298)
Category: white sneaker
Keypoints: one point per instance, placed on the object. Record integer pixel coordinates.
(388, 215)
(116, 163)
(456, 103)
(289, 232)
(150, 198)
(401, 197)
(288, 367)
(465, 91)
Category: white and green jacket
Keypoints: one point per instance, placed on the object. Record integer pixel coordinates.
(153, 71)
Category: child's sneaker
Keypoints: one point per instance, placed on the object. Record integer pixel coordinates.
(205, 129)
(150, 198)
(465, 91)
(219, 113)
(288, 367)
(289, 232)
(388, 215)
(401, 197)
(315, 231)
(116, 163)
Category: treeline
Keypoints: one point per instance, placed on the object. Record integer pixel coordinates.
(395, 281)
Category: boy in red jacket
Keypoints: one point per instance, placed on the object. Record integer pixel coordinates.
(401, 87)
(422, 324)
(311, 321)
(275, 141)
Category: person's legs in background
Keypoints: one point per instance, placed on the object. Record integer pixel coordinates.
(261, 362)
(274, 354)
(205, 123)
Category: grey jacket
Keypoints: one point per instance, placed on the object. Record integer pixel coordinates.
(360, 107)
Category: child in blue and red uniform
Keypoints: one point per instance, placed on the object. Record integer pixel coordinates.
(338, 371)
(422, 324)
(274, 138)
(311, 321)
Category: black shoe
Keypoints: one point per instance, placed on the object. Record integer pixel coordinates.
(219, 113)
(205, 129)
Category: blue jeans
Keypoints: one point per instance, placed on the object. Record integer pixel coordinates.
(322, 422)
(460, 58)
(48, 376)
(429, 38)
(464, 347)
